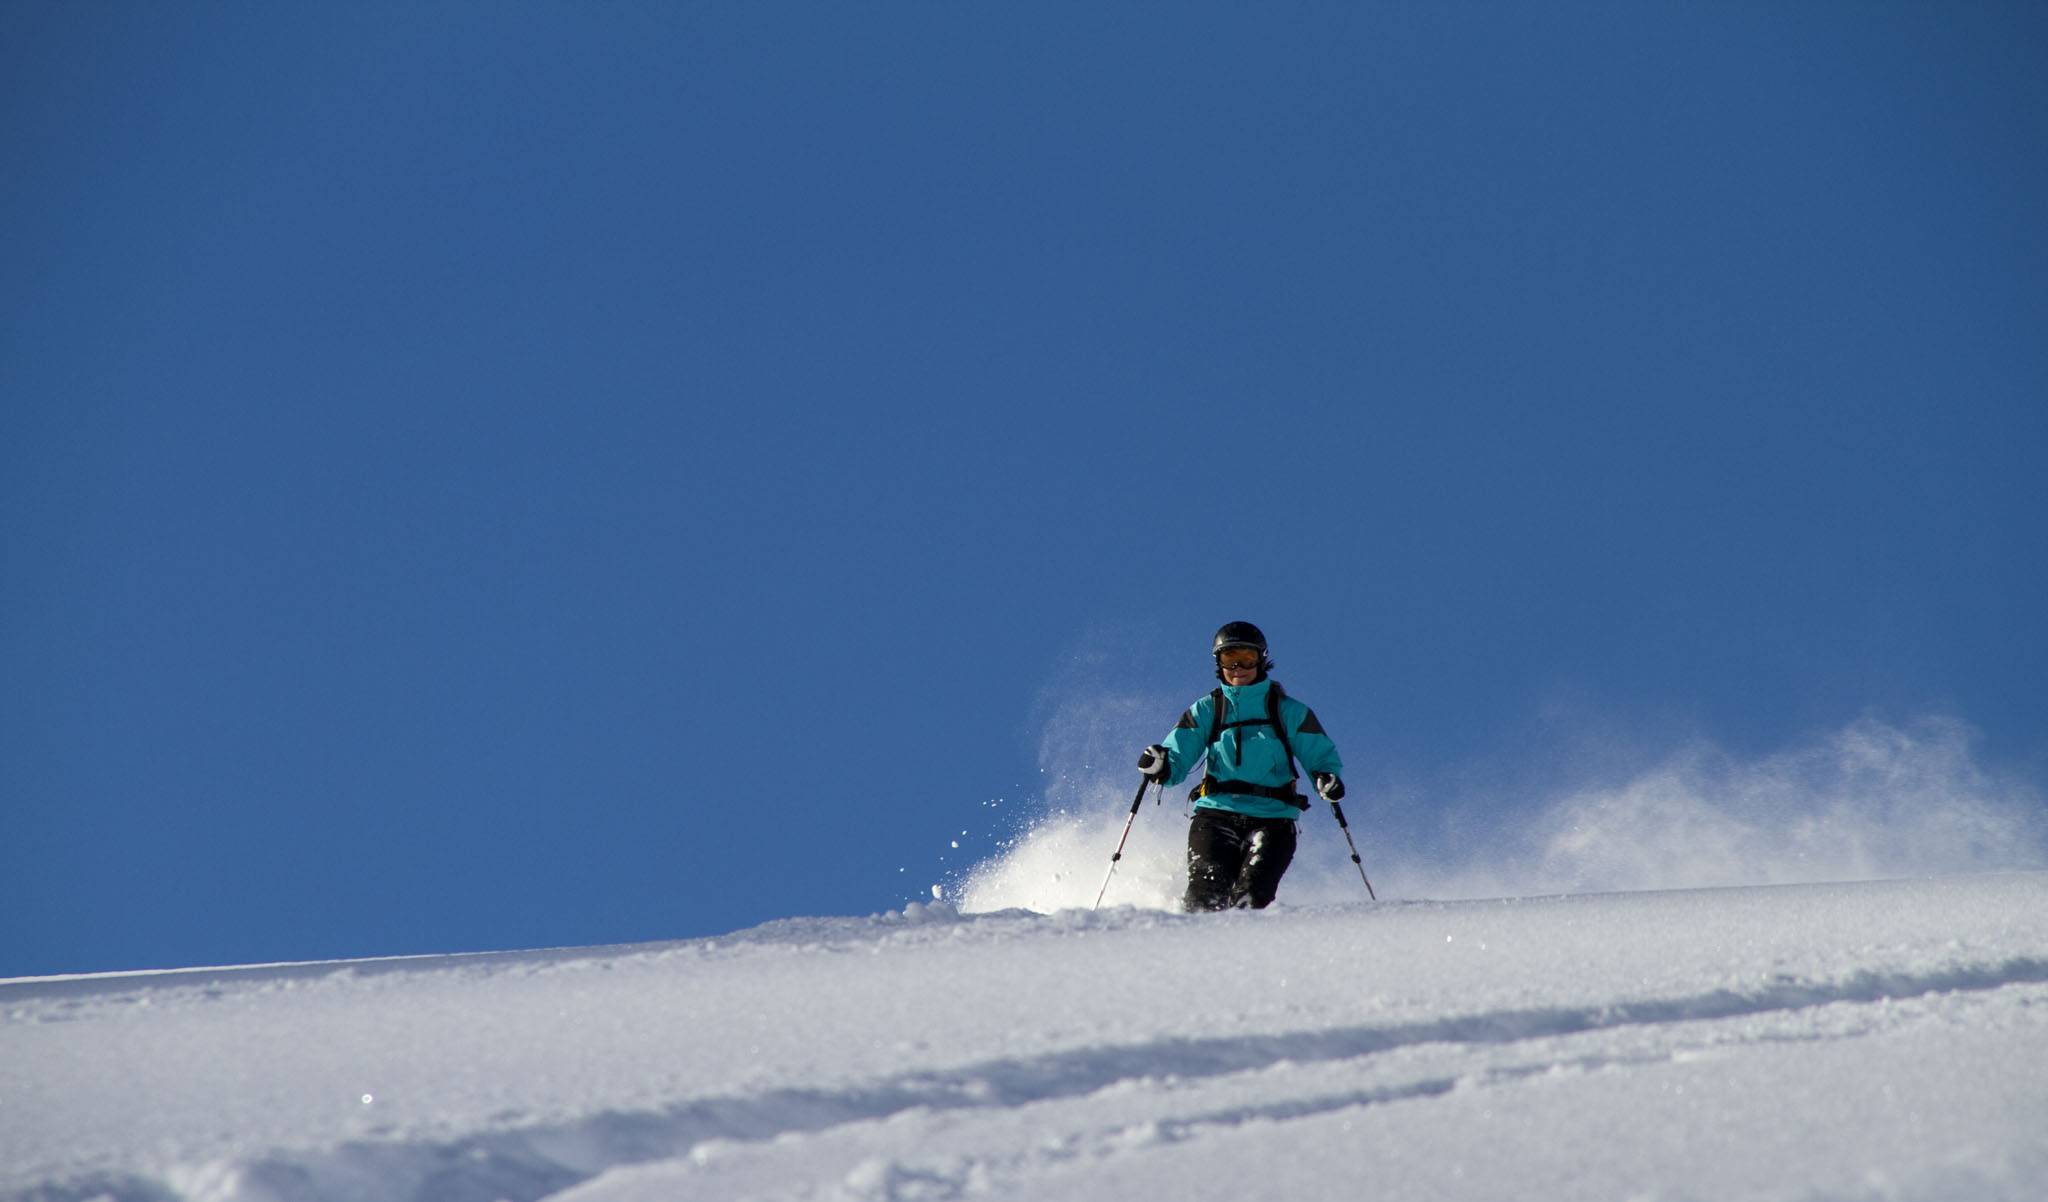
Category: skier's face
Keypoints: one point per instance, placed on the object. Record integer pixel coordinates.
(1240, 665)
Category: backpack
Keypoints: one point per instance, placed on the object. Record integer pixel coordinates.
(1287, 793)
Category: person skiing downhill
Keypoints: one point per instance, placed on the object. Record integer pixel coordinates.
(1249, 732)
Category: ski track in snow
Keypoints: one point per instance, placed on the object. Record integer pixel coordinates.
(1575, 1008)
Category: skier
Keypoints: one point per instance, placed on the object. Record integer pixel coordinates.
(1250, 732)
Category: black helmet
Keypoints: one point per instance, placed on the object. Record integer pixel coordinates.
(1238, 634)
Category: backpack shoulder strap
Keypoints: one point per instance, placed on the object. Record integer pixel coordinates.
(1273, 695)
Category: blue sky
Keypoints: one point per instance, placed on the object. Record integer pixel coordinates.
(484, 476)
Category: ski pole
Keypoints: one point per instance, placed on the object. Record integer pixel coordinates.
(1139, 800)
(1339, 812)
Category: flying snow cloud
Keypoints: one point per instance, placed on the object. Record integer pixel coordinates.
(1869, 801)
(1058, 860)
(1872, 800)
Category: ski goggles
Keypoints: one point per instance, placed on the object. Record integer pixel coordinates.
(1238, 658)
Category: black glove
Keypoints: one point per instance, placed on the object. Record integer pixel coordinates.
(1155, 763)
(1329, 786)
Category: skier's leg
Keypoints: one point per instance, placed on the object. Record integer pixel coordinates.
(1269, 849)
(1215, 858)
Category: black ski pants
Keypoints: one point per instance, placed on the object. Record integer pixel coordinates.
(1236, 860)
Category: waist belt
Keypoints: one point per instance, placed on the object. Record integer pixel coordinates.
(1287, 793)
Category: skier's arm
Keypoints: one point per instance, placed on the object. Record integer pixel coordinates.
(1312, 744)
(1188, 741)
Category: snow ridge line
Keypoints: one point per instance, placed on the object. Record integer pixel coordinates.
(528, 1164)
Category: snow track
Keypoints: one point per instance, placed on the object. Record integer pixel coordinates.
(1879, 1040)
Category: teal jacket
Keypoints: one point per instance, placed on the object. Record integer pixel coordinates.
(1252, 754)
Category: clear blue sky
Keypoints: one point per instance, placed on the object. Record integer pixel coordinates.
(500, 475)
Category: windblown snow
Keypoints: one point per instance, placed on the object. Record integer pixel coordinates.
(1862, 1040)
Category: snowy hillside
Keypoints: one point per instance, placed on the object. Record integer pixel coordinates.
(1878, 1040)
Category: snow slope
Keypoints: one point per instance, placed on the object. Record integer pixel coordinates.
(1873, 1040)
